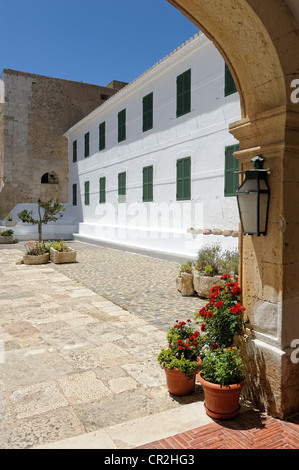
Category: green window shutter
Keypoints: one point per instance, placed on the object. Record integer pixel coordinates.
(147, 195)
(147, 105)
(183, 83)
(183, 180)
(122, 125)
(102, 136)
(86, 145)
(230, 86)
(231, 179)
(86, 193)
(122, 186)
(102, 190)
(74, 151)
(74, 194)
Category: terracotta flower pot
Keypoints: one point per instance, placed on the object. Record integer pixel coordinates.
(221, 401)
(178, 384)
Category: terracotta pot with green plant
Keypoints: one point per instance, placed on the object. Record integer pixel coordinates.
(181, 360)
(222, 324)
(222, 378)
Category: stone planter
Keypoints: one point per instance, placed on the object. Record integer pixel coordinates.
(59, 257)
(6, 239)
(36, 259)
(204, 284)
(184, 284)
(11, 223)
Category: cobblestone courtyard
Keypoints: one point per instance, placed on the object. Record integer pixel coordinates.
(143, 285)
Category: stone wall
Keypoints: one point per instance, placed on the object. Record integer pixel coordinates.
(37, 110)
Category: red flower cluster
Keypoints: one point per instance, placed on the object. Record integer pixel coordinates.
(191, 341)
(236, 309)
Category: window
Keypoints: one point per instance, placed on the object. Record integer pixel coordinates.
(147, 109)
(74, 151)
(147, 195)
(183, 179)
(50, 178)
(122, 187)
(102, 137)
(231, 179)
(183, 87)
(122, 125)
(86, 145)
(102, 199)
(74, 194)
(230, 86)
(86, 193)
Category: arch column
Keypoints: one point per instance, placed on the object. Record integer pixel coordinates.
(269, 265)
(260, 43)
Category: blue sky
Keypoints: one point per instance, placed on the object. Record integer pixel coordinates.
(94, 41)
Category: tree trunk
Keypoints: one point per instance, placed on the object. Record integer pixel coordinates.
(39, 224)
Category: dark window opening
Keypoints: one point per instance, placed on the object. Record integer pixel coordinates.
(50, 178)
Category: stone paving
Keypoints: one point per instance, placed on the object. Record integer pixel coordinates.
(143, 285)
(75, 362)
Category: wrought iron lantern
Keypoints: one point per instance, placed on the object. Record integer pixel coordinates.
(253, 199)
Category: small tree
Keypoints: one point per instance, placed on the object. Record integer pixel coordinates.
(51, 212)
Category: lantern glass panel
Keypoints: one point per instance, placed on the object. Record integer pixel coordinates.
(248, 211)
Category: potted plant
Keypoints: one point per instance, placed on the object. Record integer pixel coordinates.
(211, 263)
(6, 236)
(61, 253)
(222, 378)
(207, 270)
(181, 360)
(36, 253)
(222, 317)
(9, 221)
(184, 281)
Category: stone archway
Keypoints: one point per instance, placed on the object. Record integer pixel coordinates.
(260, 43)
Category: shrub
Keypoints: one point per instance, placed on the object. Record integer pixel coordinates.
(222, 317)
(6, 233)
(186, 268)
(223, 366)
(184, 347)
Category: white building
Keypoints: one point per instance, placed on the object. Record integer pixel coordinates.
(151, 169)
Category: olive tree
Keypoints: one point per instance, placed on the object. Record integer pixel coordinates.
(48, 211)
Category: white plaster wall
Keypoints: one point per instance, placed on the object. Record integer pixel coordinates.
(201, 134)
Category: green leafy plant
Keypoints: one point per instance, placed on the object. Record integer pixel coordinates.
(211, 261)
(229, 262)
(222, 317)
(60, 246)
(207, 261)
(186, 268)
(48, 211)
(8, 217)
(223, 366)
(184, 347)
(6, 233)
